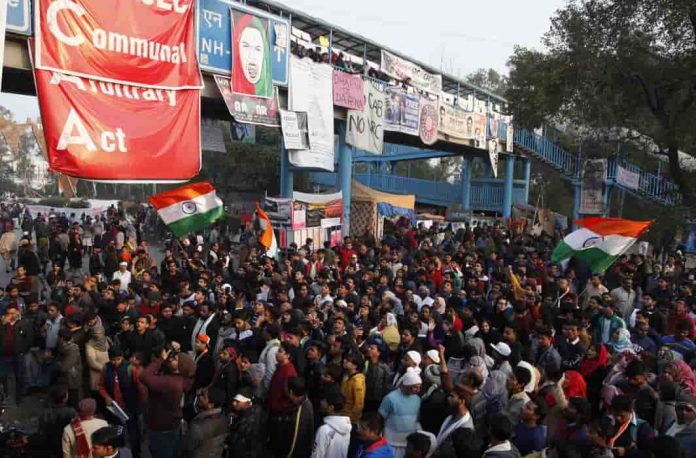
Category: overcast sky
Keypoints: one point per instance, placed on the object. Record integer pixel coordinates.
(455, 36)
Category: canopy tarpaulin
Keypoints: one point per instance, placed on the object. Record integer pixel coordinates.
(362, 193)
(368, 207)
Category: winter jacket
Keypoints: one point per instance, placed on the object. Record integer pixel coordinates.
(332, 438)
(69, 365)
(353, 389)
(503, 450)
(377, 381)
(379, 449)
(165, 392)
(206, 435)
(246, 428)
(96, 360)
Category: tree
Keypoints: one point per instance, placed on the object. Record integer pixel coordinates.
(489, 80)
(627, 67)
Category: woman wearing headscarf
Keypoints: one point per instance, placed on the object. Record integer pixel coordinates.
(594, 369)
(683, 375)
(251, 67)
(96, 355)
(620, 342)
(390, 332)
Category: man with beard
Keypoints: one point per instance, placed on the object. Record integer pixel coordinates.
(460, 418)
(173, 327)
(226, 376)
(207, 323)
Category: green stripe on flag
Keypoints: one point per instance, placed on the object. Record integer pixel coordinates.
(598, 260)
(196, 222)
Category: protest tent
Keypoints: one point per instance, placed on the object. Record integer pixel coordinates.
(369, 207)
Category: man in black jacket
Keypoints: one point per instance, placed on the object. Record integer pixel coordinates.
(226, 377)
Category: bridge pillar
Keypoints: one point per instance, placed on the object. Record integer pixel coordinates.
(507, 190)
(286, 175)
(345, 171)
(466, 184)
(577, 199)
(527, 178)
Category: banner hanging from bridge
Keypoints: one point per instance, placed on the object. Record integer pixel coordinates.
(428, 121)
(493, 155)
(113, 132)
(594, 178)
(130, 41)
(248, 108)
(366, 127)
(402, 111)
(455, 122)
(311, 91)
(348, 90)
(480, 130)
(625, 177)
(510, 137)
(410, 73)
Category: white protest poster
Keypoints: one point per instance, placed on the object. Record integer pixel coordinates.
(510, 137)
(493, 156)
(311, 91)
(625, 177)
(366, 128)
(294, 126)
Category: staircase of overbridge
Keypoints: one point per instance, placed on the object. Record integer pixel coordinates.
(488, 194)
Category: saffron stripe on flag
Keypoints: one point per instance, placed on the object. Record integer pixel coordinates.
(188, 192)
(204, 203)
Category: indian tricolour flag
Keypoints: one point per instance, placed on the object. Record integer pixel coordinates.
(189, 208)
(600, 241)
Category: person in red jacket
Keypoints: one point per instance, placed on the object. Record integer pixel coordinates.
(280, 402)
(167, 378)
(346, 252)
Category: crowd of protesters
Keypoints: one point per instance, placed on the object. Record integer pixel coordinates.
(426, 343)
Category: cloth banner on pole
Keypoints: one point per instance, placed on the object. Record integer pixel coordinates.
(626, 178)
(348, 90)
(402, 111)
(294, 126)
(410, 73)
(366, 128)
(480, 130)
(113, 132)
(136, 42)
(311, 91)
(248, 108)
(594, 177)
(510, 138)
(493, 153)
(428, 121)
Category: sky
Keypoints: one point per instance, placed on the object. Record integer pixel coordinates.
(455, 36)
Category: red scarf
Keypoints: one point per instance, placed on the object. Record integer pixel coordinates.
(82, 449)
(590, 366)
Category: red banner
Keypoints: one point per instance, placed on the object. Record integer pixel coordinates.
(114, 132)
(140, 42)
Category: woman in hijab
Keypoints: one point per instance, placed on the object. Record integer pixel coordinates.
(390, 332)
(594, 370)
(620, 342)
(96, 355)
(251, 69)
(573, 385)
(478, 365)
(683, 375)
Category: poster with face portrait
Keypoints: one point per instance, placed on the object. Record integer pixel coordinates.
(248, 108)
(428, 121)
(402, 111)
(251, 55)
(480, 130)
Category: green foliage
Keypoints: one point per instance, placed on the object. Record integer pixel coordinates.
(624, 68)
(489, 80)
